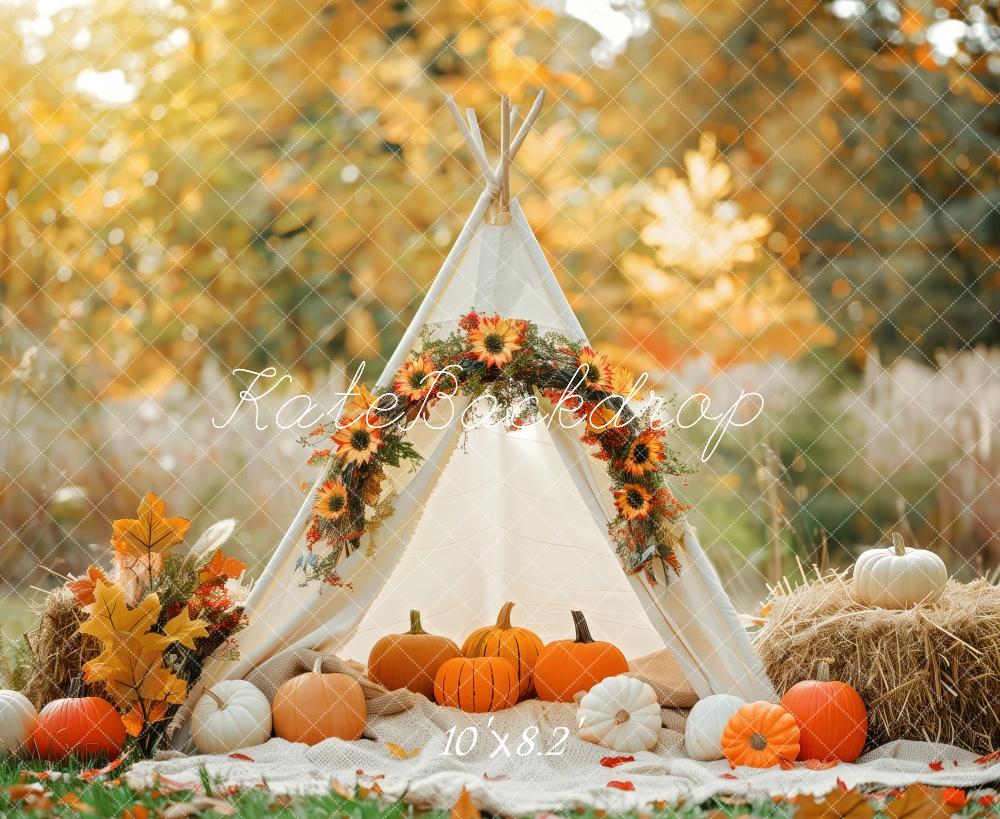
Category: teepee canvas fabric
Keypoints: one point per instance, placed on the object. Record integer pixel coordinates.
(491, 515)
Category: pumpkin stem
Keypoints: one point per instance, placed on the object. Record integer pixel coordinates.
(415, 626)
(582, 629)
(622, 716)
(503, 618)
(823, 671)
(318, 665)
(221, 703)
(897, 544)
(758, 741)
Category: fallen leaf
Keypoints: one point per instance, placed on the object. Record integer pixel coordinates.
(818, 764)
(497, 778)
(937, 765)
(136, 811)
(842, 785)
(198, 805)
(988, 759)
(837, 804)
(74, 802)
(242, 757)
(401, 753)
(728, 776)
(464, 807)
(340, 790)
(93, 773)
(954, 797)
(615, 761)
(621, 784)
(918, 802)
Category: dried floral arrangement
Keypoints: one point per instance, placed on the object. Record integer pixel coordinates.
(515, 363)
(139, 633)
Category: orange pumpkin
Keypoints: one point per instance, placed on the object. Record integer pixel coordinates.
(761, 735)
(85, 727)
(831, 715)
(518, 646)
(476, 684)
(566, 667)
(410, 660)
(315, 706)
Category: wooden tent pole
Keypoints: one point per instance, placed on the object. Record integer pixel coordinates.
(504, 176)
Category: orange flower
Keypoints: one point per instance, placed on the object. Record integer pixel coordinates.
(645, 453)
(415, 378)
(331, 500)
(601, 419)
(495, 340)
(358, 441)
(597, 372)
(633, 501)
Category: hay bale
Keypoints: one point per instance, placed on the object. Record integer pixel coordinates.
(928, 673)
(59, 649)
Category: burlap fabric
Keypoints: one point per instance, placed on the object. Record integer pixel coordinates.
(662, 674)
(544, 774)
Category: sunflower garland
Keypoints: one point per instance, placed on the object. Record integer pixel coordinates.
(514, 362)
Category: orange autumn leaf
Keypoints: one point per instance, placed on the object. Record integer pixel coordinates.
(149, 533)
(464, 807)
(82, 587)
(401, 753)
(221, 566)
(918, 802)
(837, 804)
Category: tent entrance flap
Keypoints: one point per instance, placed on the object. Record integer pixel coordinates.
(507, 523)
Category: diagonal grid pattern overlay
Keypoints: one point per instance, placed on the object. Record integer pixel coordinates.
(242, 483)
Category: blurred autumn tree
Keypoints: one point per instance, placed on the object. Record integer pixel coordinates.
(238, 181)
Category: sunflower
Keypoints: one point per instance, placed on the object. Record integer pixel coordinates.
(495, 340)
(415, 378)
(645, 453)
(633, 501)
(358, 441)
(331, 501)
(597, 372)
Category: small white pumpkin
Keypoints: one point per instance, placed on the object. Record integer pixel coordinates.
(898, 577)
(705, 724)
(620, 713)
(231, 714)
(17, 721)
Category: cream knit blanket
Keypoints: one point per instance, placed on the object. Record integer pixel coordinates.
(528, 759)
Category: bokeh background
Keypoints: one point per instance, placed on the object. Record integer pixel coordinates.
(798, 198)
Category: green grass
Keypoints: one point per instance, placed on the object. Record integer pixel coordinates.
(69, 795)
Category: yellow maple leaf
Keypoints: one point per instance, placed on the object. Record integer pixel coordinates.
(221, 566)
(149, 533)
(130, 665)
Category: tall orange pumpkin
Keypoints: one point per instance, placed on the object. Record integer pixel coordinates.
(761, 735)
(566, 667)
(410, 660)
(831, 717)
(518, 646)
(315, 706)
(86, 727)
(476, 684)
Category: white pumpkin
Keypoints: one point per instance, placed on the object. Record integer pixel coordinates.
(17, 721)
(898, 577)
(705, 724)
(620, 713)
(231, 714)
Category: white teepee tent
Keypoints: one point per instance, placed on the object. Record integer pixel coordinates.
(509, 516)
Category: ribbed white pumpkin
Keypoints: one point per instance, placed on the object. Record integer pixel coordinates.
(620, 713)
(17, 720)
(231, 714)
(705, 724)
(899, 577)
